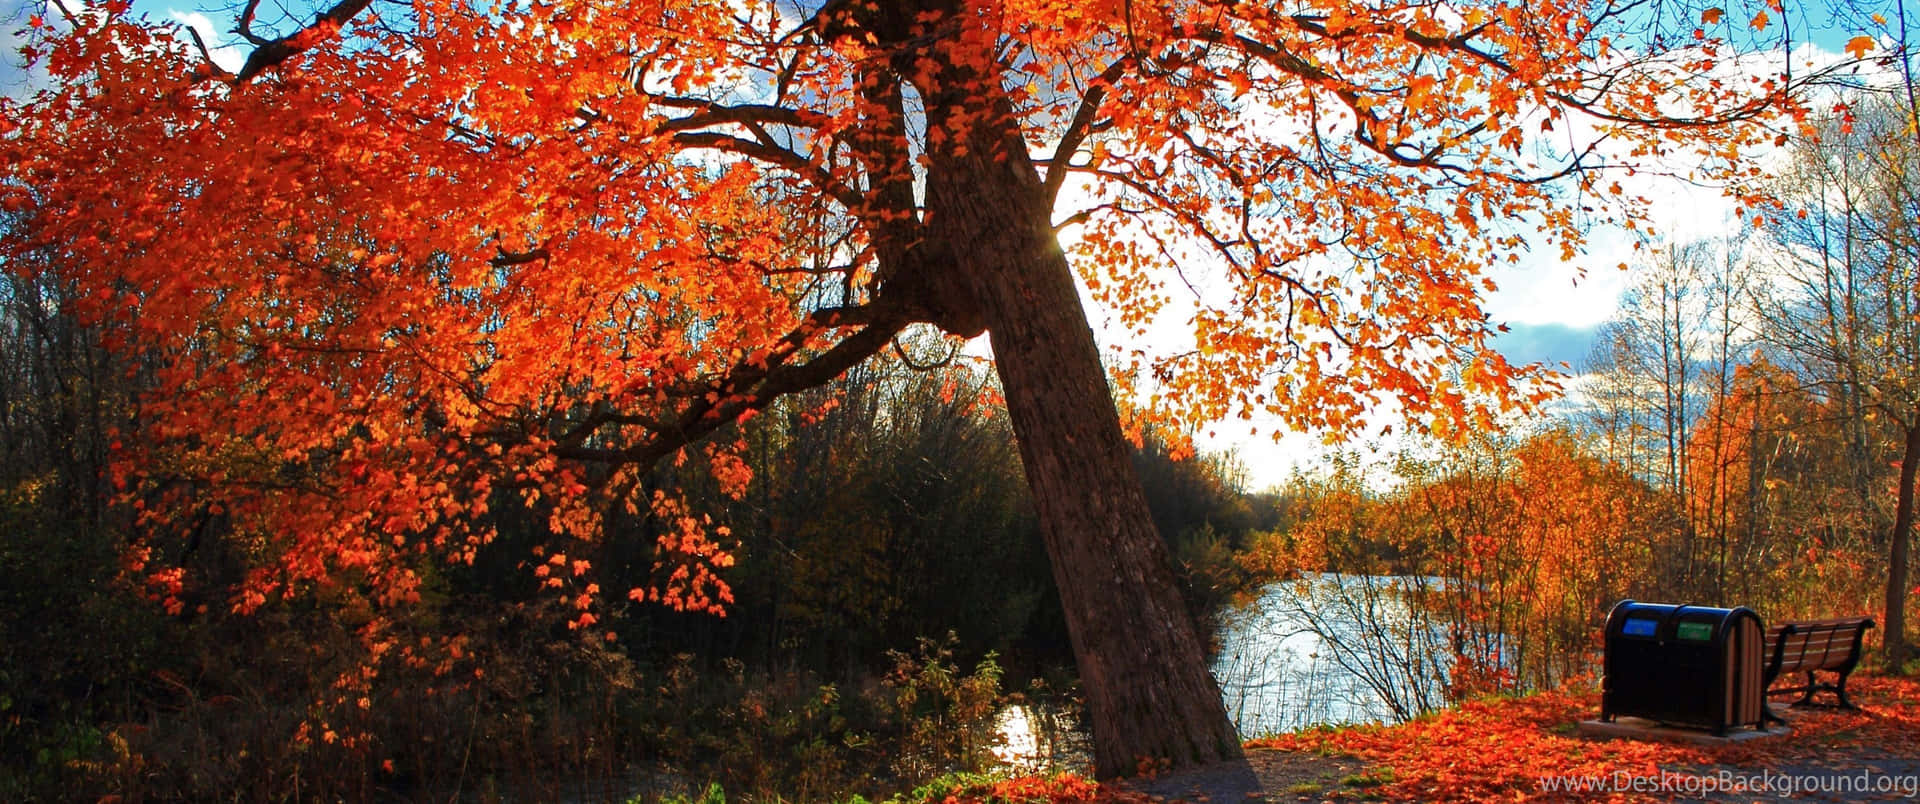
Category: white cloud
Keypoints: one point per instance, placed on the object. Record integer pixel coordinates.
(18, 80)
(228, 54)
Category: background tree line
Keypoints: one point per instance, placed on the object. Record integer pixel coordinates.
(1745, 432)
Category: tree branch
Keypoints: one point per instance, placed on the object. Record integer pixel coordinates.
(814, 174)
(1081, 126)
(707, 113)
(730, 398)
(274, 51)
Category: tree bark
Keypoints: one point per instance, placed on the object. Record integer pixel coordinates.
(1894, 636)
(982, 257)
(1149, 694)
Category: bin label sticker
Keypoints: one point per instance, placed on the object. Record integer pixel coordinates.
(1699, 632)
(1639, 627)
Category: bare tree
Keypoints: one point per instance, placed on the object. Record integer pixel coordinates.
(1842, 305)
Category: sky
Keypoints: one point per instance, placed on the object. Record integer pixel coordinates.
(1552, 314)
(13, 20)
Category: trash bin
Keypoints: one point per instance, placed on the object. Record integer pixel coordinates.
(1691, 666)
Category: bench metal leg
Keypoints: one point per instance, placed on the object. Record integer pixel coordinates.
(1840, 690)
(1813, 687)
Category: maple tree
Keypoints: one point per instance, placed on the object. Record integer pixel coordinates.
(1542, 538)
(414, 261)
(1504, 553)
(1794, 537)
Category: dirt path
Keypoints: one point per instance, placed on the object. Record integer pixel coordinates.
(1268, 775)
(1859, 774)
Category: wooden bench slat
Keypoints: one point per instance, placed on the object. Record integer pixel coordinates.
(1832, 648)
(1818, 645)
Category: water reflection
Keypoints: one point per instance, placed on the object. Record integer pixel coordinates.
(1330, 649)
(1038, 739)
(1019, 746)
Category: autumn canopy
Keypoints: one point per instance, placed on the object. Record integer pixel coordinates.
(415, 261)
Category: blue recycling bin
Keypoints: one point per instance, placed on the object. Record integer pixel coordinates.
(1683, 665)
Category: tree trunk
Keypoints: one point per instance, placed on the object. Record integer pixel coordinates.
(1894, 636)
(1149, 694)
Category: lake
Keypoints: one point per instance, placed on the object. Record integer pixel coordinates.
(1330, 649)
(1320, 649)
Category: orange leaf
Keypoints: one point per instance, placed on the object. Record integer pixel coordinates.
(1859, 46)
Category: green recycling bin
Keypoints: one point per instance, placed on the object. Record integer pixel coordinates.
(1691, 666)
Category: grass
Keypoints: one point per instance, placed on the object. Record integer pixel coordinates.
(1372, 778)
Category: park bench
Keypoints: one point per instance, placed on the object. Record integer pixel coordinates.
(1818, 645)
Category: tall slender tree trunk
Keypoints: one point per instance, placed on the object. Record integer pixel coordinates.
(1149, 694)
(1894, 637)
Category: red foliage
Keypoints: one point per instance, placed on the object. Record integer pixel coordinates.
(395, 275)
(1500, 749)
